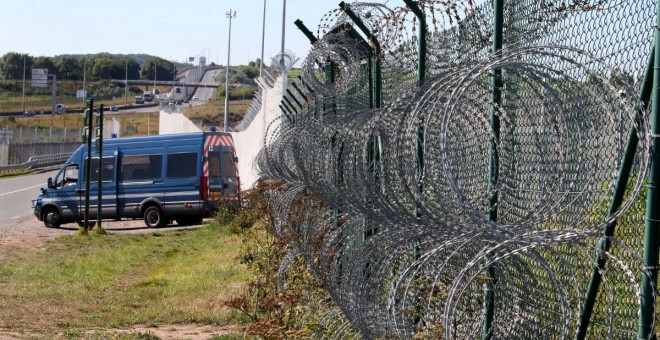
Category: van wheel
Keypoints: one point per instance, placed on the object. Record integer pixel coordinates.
(51, 218)
(154, 218)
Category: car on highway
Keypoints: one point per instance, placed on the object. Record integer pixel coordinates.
(29, 113)
(114, 108)
(195, 98)
(60, 108)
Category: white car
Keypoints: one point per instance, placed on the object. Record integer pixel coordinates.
(195, 98)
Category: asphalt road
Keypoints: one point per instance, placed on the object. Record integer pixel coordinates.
(16, 196)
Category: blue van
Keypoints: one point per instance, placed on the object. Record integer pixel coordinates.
(182, 177)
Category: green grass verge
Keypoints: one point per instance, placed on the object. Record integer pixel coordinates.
(78, 283)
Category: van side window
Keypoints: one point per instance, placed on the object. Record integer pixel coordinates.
(142, 167)
(108, 174)
(229, 166)
(182, 165)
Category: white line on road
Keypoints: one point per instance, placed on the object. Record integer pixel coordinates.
(19, 216)
(15, 191)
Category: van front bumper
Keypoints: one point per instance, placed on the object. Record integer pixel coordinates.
(37, 211)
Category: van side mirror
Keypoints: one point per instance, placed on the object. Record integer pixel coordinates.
(50, 182)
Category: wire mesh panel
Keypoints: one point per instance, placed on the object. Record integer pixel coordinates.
(404, 238)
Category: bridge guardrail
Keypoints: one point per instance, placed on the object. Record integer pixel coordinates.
(35, 162)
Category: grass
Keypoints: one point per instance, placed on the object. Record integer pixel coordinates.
(213, 112)
(78, 283)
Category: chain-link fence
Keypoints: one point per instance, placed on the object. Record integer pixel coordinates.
(483, 179)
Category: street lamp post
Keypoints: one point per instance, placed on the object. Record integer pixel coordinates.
(126, 86)
(263, 37)
(230, 15)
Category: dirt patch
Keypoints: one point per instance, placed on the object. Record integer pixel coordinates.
(163, 332)
(172, 332)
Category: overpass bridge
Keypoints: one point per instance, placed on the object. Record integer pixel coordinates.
(166, 83)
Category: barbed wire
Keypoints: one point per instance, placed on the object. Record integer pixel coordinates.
(389, 206)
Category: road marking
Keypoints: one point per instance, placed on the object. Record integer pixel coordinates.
(15, 191)
(15, 217)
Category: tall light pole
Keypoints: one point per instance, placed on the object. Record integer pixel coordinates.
(230, 15)
(84, 80)
(283, 26)
(23, 107)
(263, 38)
(126, 86)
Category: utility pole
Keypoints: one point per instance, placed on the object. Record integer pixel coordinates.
(283, 30)
(230, 15)
(23, 107)
(126, 85)
(263, 38)
(84, 80)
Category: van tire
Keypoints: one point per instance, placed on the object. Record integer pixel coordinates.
(51, 218)
(154, 218)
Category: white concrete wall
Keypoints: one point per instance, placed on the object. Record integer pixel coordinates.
(250, 141)
(175, 122)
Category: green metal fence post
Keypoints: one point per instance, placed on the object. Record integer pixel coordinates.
(493, 166)
(99, 147)
(421, 41)
(615, 204)
(650, 278)
(305, 31)
(88, 163)
(421, 75)
(377, 80)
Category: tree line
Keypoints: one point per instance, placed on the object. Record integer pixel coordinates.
(91, 67)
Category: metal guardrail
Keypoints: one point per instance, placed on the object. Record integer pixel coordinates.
(36, 162)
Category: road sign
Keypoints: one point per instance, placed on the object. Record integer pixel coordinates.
(39, 77)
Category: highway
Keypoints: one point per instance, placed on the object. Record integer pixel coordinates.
(204, 93)
(16, 195)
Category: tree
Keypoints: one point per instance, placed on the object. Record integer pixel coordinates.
(70, 67)
(163, 68)
(45, 62)
(12, 65)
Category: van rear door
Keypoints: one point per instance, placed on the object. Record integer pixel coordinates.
(220, 169)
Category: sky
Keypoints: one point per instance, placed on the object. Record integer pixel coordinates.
(173, 30)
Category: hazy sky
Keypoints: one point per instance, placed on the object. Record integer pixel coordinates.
(173, 30)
